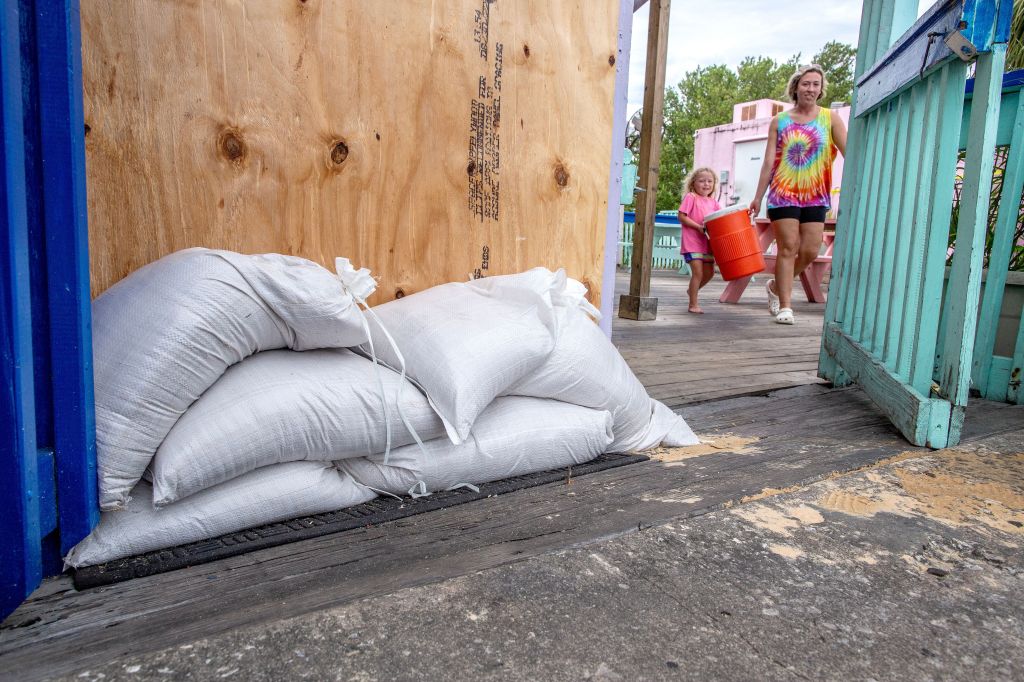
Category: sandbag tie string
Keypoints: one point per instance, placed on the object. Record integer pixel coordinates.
(359, 284)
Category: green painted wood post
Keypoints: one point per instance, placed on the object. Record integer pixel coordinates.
(965, 275)
(907, 231)
(999, 261)
(907, 331)
(952, 78)
(879, 189)
(889, 227)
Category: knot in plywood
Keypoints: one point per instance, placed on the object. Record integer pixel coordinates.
(232, 146)
(561, 175)
(339, 152)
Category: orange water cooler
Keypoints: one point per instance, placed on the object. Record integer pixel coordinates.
(734, 242)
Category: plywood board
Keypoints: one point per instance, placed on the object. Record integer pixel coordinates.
(429, 141)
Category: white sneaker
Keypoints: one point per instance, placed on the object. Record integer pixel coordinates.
(773, 298)
(785, 316)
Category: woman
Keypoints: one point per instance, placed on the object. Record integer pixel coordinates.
(797, 173)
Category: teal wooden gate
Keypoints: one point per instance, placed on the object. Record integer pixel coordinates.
(888, 326)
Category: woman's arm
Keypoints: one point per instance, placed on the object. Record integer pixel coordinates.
(839, 132)
(766, 165)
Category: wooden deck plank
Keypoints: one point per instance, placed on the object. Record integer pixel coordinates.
(731, 350)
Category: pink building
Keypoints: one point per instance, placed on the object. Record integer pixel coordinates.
(735, 150)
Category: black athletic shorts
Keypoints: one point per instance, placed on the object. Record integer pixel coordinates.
(804, 214)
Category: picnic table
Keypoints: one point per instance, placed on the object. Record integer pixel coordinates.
(810, 278)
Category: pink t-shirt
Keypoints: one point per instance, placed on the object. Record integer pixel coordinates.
(696, 208)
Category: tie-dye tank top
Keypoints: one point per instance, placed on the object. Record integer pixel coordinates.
(802, 172)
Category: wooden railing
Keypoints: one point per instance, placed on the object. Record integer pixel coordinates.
(665, 253)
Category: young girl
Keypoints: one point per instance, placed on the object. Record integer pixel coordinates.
(698, 203)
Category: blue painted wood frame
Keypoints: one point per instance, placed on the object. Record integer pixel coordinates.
(660, 218)
(47, 435)
(59, 54)
(20, 552)
(922, 48)
(43, 396)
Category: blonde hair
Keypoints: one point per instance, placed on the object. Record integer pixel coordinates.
(794, 81)
(692, 177)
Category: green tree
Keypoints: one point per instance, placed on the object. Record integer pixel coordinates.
(704, 98)
(1015, 48)
(838, 61)
(764, 78)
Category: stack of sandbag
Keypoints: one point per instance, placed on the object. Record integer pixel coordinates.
(513, 399)
(167, 332)
(458, 385)
(163, 337)
(513, 436)
(586, 369)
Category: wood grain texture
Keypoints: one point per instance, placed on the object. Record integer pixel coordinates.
(733, 349)
(964, 285)
(346, 128)
(999, 260)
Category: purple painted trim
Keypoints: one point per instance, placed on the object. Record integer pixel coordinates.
(620, 99)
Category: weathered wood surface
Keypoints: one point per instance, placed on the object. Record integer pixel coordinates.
(802, 434)
(422, 140)
(732, 349)
(983, 376)
(649, 163)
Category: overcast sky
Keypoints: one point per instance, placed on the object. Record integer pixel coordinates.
(705, 32)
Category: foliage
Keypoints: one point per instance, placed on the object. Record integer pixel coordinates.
(998, 172)
(1014, 61)
(706, 95)
(838, 61)
(1015, 48)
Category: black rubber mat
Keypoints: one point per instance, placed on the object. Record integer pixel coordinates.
(377, 511)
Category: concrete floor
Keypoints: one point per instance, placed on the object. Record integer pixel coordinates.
(908, 569)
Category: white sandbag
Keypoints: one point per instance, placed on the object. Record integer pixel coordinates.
(464, 345)
(281, 406)
(165, 333)
(585, 368)
(512, 437)
(275, 493)
(555, 287)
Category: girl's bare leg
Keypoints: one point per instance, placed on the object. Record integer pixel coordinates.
(709, 272)
(696, 282)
